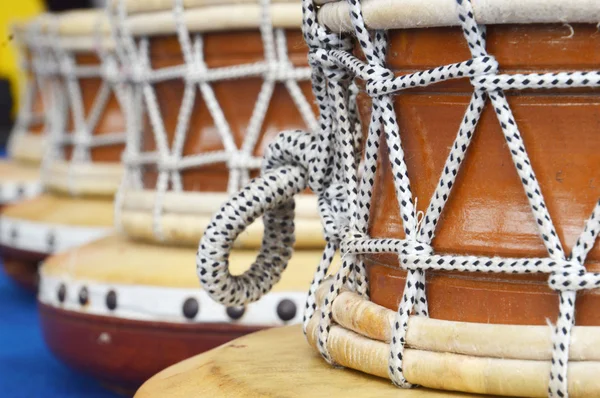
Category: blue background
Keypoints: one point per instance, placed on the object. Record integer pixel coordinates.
(27, 368)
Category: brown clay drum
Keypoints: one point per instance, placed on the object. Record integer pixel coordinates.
(127, 306)
(19, 175)
(78, 206)
(86, 157)
(487, 213)
(165, 180)
(27, 138)
(122, 311)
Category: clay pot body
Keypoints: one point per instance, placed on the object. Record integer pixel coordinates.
(487, 212)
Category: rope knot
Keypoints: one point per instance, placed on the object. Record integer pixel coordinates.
(320, 58)
(66, 68)
(376, 76)
(137, 73)
(416, 248)
(240, 160)
(483, 70)
(318, 37)
(168, 163)
(81, 138)
(573, 277)
(110, 70)
(195, 73)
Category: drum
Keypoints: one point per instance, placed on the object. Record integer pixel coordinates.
(468, 226)
(211, 84)
(85, 138)
(20, 174)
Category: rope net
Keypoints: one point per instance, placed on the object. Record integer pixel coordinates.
(276, 68)
(76, 125)
(32, 54)
(328, 162)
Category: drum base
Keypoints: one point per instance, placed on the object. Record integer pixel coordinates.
(123, 353)
(22, 266)
(275, 362)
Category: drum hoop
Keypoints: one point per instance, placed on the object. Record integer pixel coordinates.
(160, 304)
(216, 18)
(134, 7)
(406, 14)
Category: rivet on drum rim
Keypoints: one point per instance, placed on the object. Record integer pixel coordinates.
(286, 310)
(111, 300)
(20, 191)
(14, 233)
(190, 308)
(83, 296)
(51, 241)
(62, 293)
(235, 313)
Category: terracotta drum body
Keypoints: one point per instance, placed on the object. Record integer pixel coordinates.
(84, 141)
(488, 213)
(456, 164)
(208, 87)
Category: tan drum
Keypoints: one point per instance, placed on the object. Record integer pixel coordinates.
(468, 225)
(20, 176)
(81, 170)
(211, 84)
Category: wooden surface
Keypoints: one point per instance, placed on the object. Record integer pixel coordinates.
(118, 260)
(487, 212)
(272, 363)
(63, 210)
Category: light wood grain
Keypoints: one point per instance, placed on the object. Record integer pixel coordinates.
(63, 210)
(118, 260)
(272, 363)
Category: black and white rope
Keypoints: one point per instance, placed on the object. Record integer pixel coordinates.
(328, 162)
(81, 135)
(276, 68)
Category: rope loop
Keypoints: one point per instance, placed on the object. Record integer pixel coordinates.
(270, 197)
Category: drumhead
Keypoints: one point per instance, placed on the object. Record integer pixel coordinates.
(153, 283)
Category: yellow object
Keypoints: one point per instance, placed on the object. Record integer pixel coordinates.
(10, 12)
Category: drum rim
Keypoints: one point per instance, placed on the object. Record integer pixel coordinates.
(132, 303)
(216, 18)
(139, 7)
(405, 14)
